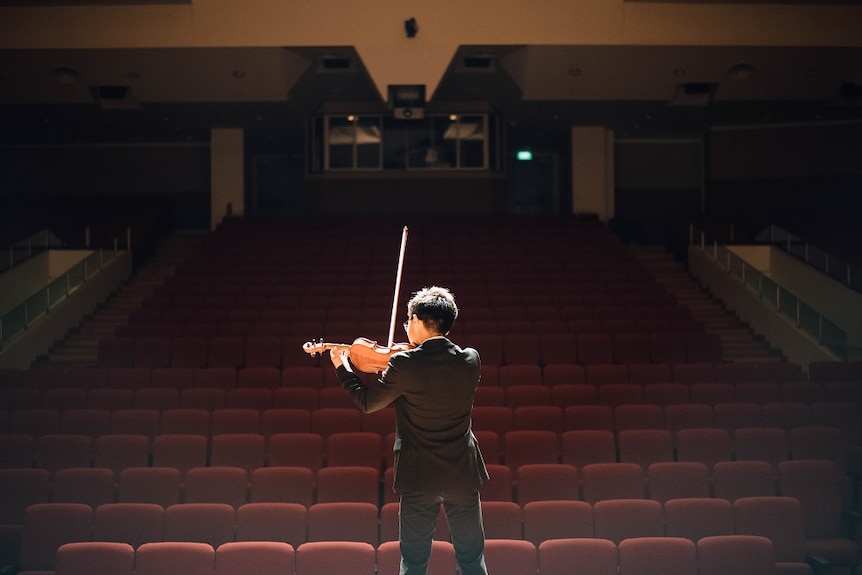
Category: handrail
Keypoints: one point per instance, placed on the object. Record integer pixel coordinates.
(19, 318)
(804, 317)
(848, 274)
(28, 247)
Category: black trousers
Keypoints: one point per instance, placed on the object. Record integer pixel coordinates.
(418, 519)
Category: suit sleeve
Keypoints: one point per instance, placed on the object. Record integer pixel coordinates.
(368, 398)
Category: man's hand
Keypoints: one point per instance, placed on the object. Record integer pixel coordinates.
(339, 357)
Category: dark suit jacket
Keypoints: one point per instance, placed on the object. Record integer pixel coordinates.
(431, 388)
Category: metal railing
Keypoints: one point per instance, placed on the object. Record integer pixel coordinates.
(804, 317)
(833, 266)
(18, 319)
(28, 247)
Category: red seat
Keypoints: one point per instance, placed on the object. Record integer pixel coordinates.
(282, 485)
(657, 556)
(695, 518)
(603, 481)
(593, 556)
(134, 523)
(722, 554)
(272, 521)
(258, 557)
(95, 558)
(547, 481)
(510, 557)
(348, 484)
(620, 519)
(211, 523)
(343, 521)
(330, 556)
(677, 479)
(175, 558)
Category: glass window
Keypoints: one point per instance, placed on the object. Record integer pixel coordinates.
(435, 142)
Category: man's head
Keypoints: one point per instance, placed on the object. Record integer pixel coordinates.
(435, 307)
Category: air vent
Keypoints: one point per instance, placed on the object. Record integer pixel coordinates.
(478, 62)
(114, 96)
(694, 93)
(334, 65)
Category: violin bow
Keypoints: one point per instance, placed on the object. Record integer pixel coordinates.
(397, 287)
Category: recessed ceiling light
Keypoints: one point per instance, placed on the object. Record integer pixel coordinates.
(740, 72)
(66, 75)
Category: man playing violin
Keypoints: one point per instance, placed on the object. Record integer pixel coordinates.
(437, 458)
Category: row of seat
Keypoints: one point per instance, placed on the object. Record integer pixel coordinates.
(716, 555)
(779, 519)
(209, 418)
(235, 486)
(318, 372)
(75, 407)
(275, 323)
(522, 347)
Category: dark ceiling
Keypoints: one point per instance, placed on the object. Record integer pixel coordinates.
(178, 95)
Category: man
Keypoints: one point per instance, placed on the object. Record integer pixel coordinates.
(437, 459)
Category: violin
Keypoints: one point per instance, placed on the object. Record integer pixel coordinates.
(365, 354)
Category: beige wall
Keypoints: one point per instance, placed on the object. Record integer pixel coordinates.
(375, 27)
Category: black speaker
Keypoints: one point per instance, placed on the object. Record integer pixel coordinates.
(407, 102)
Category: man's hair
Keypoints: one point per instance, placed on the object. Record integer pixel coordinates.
(435, 306)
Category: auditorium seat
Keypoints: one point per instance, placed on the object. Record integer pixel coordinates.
(133, 523)
(707, 445)
(620, 519)
(61, 451)
(180, 450)
(631, 348)
(91, 486)
(226, 351)
(95, 558)
(227, 485)
(510, 557)
(348, 484)
(767, 444)
(296, 450)
(117, 452)
(638, 416)
(819, 442)
(545, 520)
(677, 480)
(175, 558)
(748, 554)
(808, 392)
(214, 376)
(502, 519)
(327, 557)
(582, 447)
(657, 555)
(595, 348)
(645, 446)
(153, 351)
(234, 420)
(244, 450)
(499, 419)
(334, 397)
(786, 415)
(296, 397)
(602, 374)
(63, 398)
(499, 485)
(692, 372)
(206, 398)
(159, 485)
(259, 557)
(666, 394)
(593, 556)
(282, 485)
(46, 527)
(733, 480)
(271, 521)
(34, 422)
(335, 420)
(667, 347)
(189, 351)
(257, 398)
(561, 372)
(779, 519)
(343, 521)
(601, 481)
(211, 523)
(188, 421)
(258, 376)
(262, 351)
(815, 484)
(521, 447)
(547, 481)
(647, 373)
(616, 394)
(698, 517)
(157, 398)
(589, 417)
(687, 416)
(538, 416)
(712, 393)
(736, 415)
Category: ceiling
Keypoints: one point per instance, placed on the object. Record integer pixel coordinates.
(178, 95)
